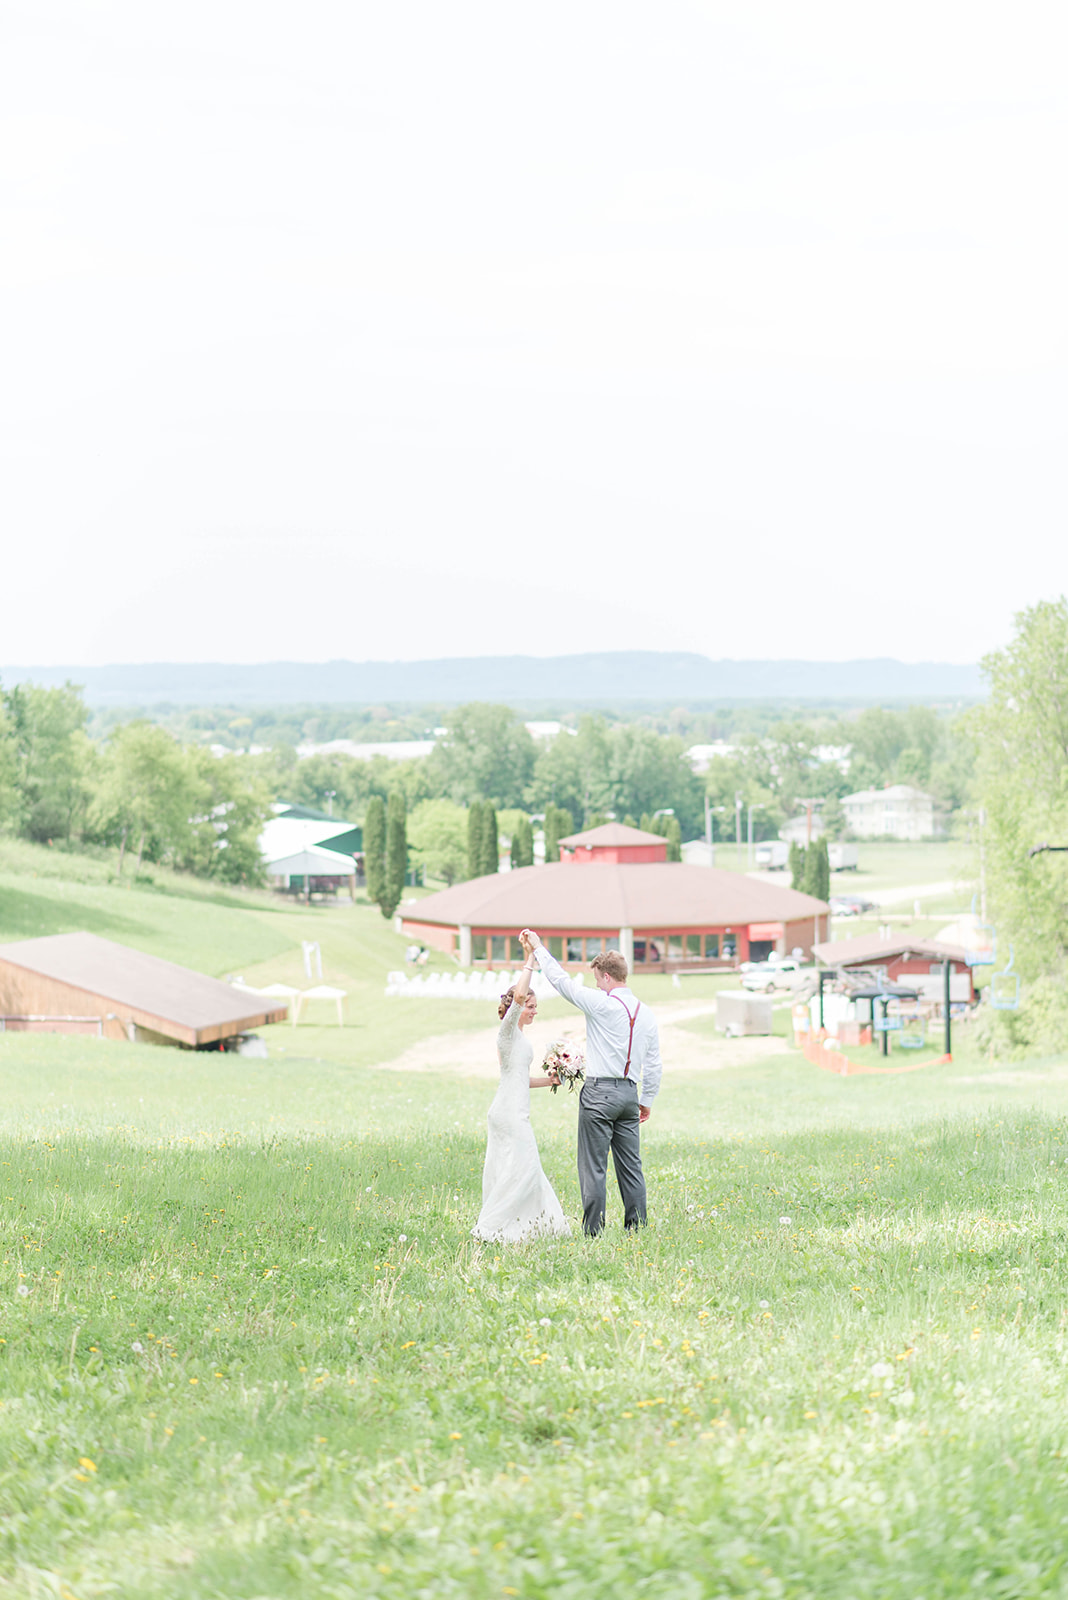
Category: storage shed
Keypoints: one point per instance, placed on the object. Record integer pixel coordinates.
(56, 983)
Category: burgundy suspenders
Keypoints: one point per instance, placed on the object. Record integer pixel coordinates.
(632, 1020)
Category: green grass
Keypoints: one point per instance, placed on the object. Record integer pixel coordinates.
(833, 1365)
(258, 1353)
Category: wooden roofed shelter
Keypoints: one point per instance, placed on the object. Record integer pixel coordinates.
(69, 978)
(904, 959)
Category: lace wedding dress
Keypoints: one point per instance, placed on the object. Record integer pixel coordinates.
(518, 1201)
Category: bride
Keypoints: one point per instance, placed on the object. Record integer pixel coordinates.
(518, 1200)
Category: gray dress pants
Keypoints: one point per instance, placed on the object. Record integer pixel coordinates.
(608, 1120)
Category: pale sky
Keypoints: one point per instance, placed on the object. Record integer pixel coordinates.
(387, 331)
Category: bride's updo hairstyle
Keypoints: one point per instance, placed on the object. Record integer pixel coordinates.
(506, 1002)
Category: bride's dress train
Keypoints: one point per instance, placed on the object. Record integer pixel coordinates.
(518, 1201)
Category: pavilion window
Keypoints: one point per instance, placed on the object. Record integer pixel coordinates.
(478, 947)
(693, 947)
(711, 946)
(516, 952)
(594, 947)
(730, 946)
(639, 952)
(556, 947)
(574, 950)
(499, 950)
(674, 946)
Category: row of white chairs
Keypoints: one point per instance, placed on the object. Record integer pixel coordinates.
(461, 985)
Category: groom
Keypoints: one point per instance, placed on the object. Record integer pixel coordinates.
(622, 1044)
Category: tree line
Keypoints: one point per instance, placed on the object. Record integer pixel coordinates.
(141, 791)
(154, 797)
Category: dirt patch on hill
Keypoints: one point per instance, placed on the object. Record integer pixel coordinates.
(474, 1052)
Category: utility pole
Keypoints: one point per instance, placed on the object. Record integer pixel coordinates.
(738, 824)
(948, 1038)
(330, 793)
(708, 832)
(756, 806)
(982, 865)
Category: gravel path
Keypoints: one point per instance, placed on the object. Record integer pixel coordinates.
(474, 1052)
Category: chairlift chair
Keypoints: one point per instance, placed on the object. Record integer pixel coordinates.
(913, 1035)
(1005, 987)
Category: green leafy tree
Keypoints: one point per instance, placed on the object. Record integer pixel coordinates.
(487, 754)
(233, 803)
(573, 772)
(374, 848)
(797, 865)
(342, 785)
(8, 791)
(489, 850)
(437, 836)
(1022, 738)
(53, 759)
(559, 824)
(149, 793)
(396, 867)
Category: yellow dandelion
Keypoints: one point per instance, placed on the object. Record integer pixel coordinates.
(86, 1465)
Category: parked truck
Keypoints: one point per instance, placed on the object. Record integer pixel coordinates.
(843, 857)
(773, 855)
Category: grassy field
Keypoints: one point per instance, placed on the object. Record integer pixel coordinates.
(249, 1348)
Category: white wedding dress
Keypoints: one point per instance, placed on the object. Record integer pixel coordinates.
(518, 1201)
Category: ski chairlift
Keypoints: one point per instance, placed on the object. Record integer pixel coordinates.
(983, 958)
(913, 1032)
(1005, 987)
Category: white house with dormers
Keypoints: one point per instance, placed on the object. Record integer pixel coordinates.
(897, 812)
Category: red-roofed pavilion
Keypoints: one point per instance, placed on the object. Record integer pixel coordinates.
(663, 916)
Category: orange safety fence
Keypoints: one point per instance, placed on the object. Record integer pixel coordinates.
(814, 1047)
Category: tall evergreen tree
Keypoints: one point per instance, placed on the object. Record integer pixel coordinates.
(474, 839)
(523, 844)
(558, 824)
(673, 835)
(489, 857)
(374, 848)
(396, 863)
(817, 880)
(797, 865)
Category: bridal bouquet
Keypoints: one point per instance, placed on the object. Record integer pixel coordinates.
(567, 1062)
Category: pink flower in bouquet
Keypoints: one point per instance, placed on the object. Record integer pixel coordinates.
(566, 1062)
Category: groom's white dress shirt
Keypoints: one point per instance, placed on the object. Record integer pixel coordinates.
(608, 1029)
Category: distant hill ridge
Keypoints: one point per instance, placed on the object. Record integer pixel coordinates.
(674, 678)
